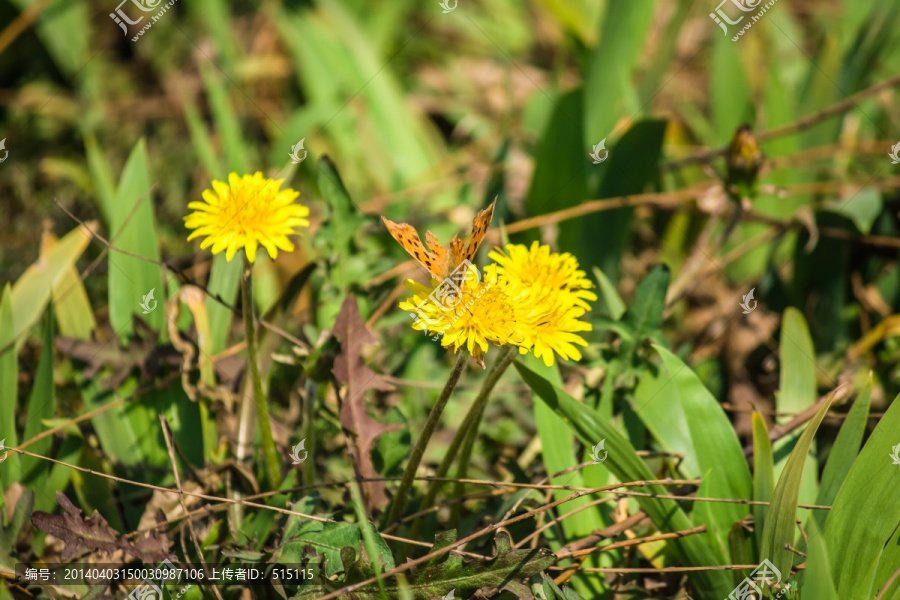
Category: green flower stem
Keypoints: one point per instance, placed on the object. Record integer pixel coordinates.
(273, 464)
(309, 406)
(470, 422)
(415, 457)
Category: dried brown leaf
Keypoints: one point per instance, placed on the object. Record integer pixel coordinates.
(94, 533)
(351, 371)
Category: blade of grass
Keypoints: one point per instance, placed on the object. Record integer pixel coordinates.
(718, 451)
(869, 495)
(626, 465)
(780, 528)
(9, 386)
(763, 474)
(844, 451)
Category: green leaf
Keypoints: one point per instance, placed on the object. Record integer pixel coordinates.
(201, 140)
(609, 296)
(887, 568)
(600, 238)
(718, 451)
(344, 219)
(326, 539)
(729, 95)
(667, 421)
(780, 525)
(558, 454)
(224, 280)
(645, 315)
(9, 389)
(130, 278)
(864, 209)
(869, 495)
(227, 124)
(560, 157)
(817, 581)
(797, 393)
(9, 532)
(41, 405)
(32, 291)
(626, 465)
(844, 451)
(101, 175)
(608, 82)
(763, 474)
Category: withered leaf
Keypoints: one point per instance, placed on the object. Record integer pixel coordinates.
(142, 353)
(352, 372)
(94, 533)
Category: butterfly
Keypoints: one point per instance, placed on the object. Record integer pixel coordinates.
(439, 262)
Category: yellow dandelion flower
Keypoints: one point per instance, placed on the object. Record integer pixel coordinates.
(478, 316)
(247, 212)
(551, 325)
(538, 266)
(550, 294)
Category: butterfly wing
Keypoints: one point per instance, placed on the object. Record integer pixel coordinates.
(479, 228)
(407, 237)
